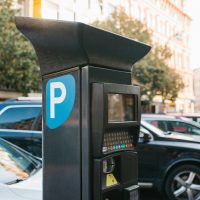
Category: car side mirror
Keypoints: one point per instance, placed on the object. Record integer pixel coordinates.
(145, 137)
(168, 133)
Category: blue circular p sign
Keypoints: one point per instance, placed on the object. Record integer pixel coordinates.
(60, 98)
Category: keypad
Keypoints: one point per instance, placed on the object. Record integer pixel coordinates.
(116, 141)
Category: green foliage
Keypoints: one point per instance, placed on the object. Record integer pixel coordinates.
(18, 64)
(152, 73)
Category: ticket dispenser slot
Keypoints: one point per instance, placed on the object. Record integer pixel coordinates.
(115, 126)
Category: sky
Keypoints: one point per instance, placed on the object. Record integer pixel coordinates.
(193, 9)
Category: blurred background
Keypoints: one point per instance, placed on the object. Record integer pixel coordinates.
(169, 76)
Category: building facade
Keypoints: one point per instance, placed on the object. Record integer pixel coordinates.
(170, 26)
(166, 18)
(197, 89)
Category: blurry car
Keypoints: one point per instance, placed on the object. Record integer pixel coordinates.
(21, 123)
(173, 124)
(193, 116)
(169, 162)
(20, 174)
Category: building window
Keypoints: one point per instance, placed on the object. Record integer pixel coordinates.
(109, 8)
(66, 14)
(50, 10)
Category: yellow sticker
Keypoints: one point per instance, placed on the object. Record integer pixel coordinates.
(110, 180)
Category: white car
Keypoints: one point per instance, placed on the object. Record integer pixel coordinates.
(20, 174)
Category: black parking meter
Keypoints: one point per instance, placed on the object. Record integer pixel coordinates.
(91, 111)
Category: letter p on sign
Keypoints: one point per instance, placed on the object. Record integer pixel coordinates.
(56, 100)
(60, 98)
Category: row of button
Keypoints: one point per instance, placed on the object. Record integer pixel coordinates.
(106, 143)
(115, 138)
(110, 139)
(116, 147)
(117, 135)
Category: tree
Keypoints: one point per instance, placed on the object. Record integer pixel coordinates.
(18, 63)
(152, 73)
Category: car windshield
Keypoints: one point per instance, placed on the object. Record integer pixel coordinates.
(15, 165)
(152, 128)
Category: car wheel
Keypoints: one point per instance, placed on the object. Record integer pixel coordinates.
(183, 183)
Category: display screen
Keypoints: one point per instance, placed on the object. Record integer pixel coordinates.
(121, 107)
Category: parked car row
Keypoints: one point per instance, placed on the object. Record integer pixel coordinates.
(169, 159)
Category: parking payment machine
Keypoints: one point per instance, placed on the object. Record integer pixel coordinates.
(91, 110)
(114, 140)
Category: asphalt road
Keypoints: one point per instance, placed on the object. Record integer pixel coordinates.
(147, 194)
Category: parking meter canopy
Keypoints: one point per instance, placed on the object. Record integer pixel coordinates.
(62, 45)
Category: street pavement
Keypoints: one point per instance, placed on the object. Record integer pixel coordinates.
(147, 194)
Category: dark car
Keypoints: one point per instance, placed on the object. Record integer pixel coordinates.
(173, 124)
(21, 123)
(169, 163)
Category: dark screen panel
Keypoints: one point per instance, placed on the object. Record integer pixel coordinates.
(121, 107)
